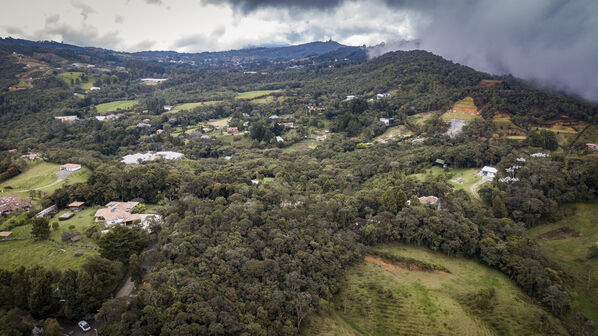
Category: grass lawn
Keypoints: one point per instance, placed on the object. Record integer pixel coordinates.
(396, 131)
(191, 106)
(569, 252)
(49, 253)
(420, 118)
(37, 175)
(263, 100)
(254, 94)
(116, 105)
(468, 177)
(219, 122)
(380, 297)
(67, 76)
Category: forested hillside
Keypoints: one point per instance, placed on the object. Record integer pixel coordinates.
(289, 177)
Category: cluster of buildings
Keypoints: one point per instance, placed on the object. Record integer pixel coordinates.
(149, 156)
(12, 203)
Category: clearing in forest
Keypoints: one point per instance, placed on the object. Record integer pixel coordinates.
(464, 109)
(191, 106)
(567, 243)
(254, 94)
(116, 105)
(380, 296)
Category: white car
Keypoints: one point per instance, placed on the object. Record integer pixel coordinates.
(84, 326)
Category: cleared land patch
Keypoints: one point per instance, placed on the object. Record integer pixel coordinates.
(116, 105)
(566, 243)
(254, 94)
(381, 297)
(191, 106)
(37, 175)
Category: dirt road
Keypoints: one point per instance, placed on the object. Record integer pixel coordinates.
(61, 175)
(126, 289)
(474, 189)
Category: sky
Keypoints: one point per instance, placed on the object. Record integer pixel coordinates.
(551, 42)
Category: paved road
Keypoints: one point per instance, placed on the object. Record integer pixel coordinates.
(61, 175)
(474, 188)
(126, 289)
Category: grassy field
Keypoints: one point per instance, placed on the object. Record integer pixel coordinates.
(396, 132)
(468, 177)
(381, 297)
(589, 135)
(219, 122)
(191, 106)
(52, 253)
(569, 250)
(420, 118)
(116, 105)
(465, 103)
(37, 175)
(67, 76)
(254, 94)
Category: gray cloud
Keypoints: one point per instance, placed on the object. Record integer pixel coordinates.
(153, 2)
(119, 19)
(552, 42)
(85, 8)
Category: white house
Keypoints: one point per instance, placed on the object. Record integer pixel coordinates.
(350, 97)
(70, 167)
(167, 107)
(488, 172)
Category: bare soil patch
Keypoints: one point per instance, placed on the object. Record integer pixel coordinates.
(560, 233)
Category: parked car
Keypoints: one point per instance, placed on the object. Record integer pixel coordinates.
(84, 326)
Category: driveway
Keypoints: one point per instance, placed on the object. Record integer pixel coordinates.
(61, 175)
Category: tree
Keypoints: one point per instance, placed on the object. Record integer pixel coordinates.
(55, 226)
(136, 269)
(40, 228)
(121, 242)
(498, 207)
(52, 328)
(394, 200)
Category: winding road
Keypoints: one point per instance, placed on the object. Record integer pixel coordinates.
(61, 175)
(474, 188)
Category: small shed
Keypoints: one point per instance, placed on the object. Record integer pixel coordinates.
(440, 163)
(5, 234)
(76, 206)
(66, 215)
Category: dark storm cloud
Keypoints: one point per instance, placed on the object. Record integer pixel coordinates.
(553, 42)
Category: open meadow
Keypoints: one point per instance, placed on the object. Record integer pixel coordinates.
(393, 292)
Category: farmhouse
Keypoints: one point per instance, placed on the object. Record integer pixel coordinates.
(592, 146)
(67, 119)
(350, 97)
(388, 121)
(94, 88)
(433, 200)
(32, 156)
(76, 206)
(117, 213)
(440, 163)
(321, 137)
(14, 203)
(488, 172)
(160, 131)
(149, 156)
(382, 95)
(232, 130)
(70, 167)
(66, 215)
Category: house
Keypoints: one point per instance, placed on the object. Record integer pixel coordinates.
(14, 150)
(143, 125)
(32, 156)
(232, 130)
(592, 146)
(94, 88)
(117, 213)
(440, 163)
(273, 117)
(433, 200)
(160, 131)
(12, 203)
(488, 172)
(48, 212)
(70, 167)
(67, 119)
(287, 124)
(350, 97)
(76, 206)
(382, 96)
(167, 107)
(146, 120)
(321, 137)
(387, 121)
(5, 234)
(279, 139)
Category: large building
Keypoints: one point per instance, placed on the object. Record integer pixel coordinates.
(117, 213)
